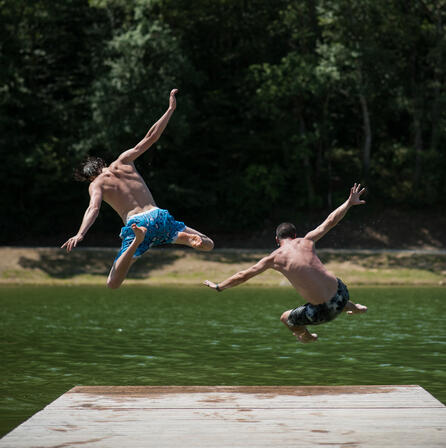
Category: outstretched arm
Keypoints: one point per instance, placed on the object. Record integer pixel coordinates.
(90, 216)
(153, 135)
(335, 216)
(242, 276)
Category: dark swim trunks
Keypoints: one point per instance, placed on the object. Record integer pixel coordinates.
(161, 229)
(309, 314)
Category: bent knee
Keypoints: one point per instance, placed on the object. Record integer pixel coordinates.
(206, 244)
(113, 284)
(284, 317)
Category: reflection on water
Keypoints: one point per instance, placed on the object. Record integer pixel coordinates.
(53, 338)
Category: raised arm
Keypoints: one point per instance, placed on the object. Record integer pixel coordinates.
(335, 216)
(90, 216)
(153, 135)
(242, 276)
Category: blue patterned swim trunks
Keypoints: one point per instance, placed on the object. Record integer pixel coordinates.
(310, 314)
(161, 229)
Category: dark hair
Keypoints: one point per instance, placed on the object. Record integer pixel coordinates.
(285, 230)
(90, 168)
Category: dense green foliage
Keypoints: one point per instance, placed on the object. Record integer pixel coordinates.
(282, 105)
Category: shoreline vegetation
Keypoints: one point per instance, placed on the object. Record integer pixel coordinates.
(182, 266)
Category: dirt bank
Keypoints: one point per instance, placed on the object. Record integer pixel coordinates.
(184, 266)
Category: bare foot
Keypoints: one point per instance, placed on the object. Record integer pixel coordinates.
(140, 233)
(189, 239)
(357, 309)
(306, 336)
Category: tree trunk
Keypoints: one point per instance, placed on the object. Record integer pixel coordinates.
(418, 145)
(438, 83)
(314, 23)
(306, 159)
(327, 151)
(366, 149)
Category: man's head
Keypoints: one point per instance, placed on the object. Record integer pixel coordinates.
(89, 169)
(284, 231)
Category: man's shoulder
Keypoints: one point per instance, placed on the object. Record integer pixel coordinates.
(275, 255)
(96, 184)
(265, 262)
(123, 160)
(292, 249)
(122, 165)
(303, 242)
(98, 181)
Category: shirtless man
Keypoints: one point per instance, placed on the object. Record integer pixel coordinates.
(296, 259)
(123, 188)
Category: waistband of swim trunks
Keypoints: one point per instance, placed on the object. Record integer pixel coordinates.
(141, 214)
(340, 282)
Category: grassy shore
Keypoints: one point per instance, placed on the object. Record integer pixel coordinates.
(183, 266)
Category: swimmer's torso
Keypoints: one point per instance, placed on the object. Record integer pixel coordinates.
(124, 189)
(298, 262)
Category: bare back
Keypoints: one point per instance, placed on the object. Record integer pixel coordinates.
(296, 259)
(124, 189)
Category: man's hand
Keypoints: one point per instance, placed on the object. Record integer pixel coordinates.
(336, 215)
(355, 195)
(72, 242)
(211, 285)
(173, 100)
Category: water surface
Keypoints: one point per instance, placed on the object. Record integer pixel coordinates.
(53, 338)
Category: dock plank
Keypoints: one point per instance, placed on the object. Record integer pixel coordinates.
(223, 416)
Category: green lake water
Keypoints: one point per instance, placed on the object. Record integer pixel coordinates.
(53, 338)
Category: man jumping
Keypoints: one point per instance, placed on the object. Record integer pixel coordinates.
(123, 188)
(296, 259)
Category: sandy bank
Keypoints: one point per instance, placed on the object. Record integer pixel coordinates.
(184, 266)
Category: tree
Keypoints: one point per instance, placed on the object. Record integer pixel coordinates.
(45, 72)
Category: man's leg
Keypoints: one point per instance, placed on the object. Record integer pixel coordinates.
(195, 239)
(122, 265)
(300, 331)
(354, 308)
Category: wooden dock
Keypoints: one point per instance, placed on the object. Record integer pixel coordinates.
(239, 416)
